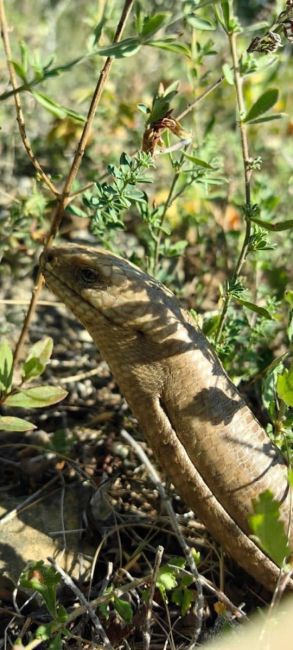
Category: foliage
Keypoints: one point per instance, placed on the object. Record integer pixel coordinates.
(265, 523)
(19, 396)
(166, 182)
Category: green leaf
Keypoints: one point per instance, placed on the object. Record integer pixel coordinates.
(258, 310)
(24, 51)
(262, 105)
(274, 227)
(19, 69)
(266, 525)
(74, 209)
(171, 46)
(56, 109)
(128, 47)
(8, 423)
(37, 359)
(285, 386)
(32, 368)
(152, 24)
(226, 12)
(169, 249)
(36, 397)
(184, 598)
(228, 74)
(52, 107)
(166, 578)
(56, 643)
(268, 118)
(197, 161)
(200, 23)
(288, 295)
(6, 366)
(124, 609)
(204, 3)
(43, 579)
(143, 108)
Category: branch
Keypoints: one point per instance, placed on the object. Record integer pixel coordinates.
(17, 102)
(238, 82)
(64, 197)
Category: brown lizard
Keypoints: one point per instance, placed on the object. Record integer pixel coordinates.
(205, 437)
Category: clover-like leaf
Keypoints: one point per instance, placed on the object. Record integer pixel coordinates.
(266, 525)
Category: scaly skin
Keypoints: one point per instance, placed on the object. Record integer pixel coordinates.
(205, 437)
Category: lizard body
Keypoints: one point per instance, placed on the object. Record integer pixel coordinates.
(204, 435)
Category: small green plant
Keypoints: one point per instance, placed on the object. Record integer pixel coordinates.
(20, 396)
(265, 523)
(45, 580)
(175, 581)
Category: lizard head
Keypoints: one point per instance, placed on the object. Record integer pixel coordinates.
(96, 284)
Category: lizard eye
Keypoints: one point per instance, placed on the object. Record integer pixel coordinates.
(89, 276)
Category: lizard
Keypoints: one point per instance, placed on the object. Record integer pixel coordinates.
(205, 437)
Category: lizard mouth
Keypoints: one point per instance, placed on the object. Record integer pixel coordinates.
(58, 284)
(65, 291)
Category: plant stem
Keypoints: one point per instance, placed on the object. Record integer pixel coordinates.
(17, 102)
(198, 99)
(163, 215)
(238, 82)
(64, 197)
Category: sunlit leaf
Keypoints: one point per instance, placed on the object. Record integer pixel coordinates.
(36, 397)
(289, 297)
(228, 74)
(37, 359)
(8, 423)
(167, 578)
(200, 23)
(266, 525)
(285, 386)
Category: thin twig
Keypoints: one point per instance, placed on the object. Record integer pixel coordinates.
(93, 616)
(17, 102)
(28, 502)
(163, 215)
(185, 548)
(147, 626)
(64, 197)
(198, 99)
(79, 376)
(42, 303)
(238, 82)
(107, 598)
